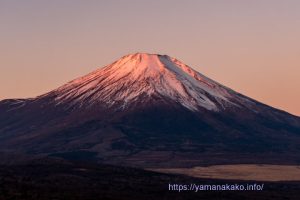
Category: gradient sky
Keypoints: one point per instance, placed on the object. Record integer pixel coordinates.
(251, 46)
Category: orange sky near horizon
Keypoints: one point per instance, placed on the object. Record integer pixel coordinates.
(252, 47)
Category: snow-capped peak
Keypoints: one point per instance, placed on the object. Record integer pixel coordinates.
(140, 76)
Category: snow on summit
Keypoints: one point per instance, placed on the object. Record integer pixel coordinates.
(137, 77)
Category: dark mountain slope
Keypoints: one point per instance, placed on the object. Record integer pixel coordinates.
(150, 110)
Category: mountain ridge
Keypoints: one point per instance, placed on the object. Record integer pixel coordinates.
(145, 74)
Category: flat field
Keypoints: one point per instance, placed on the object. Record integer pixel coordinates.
(255, 172)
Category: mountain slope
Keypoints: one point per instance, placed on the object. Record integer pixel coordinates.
(146, 110)
(139, 77)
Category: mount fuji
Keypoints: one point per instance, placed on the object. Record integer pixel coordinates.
(149, 110)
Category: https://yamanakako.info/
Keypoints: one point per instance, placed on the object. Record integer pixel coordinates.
(215, 187)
